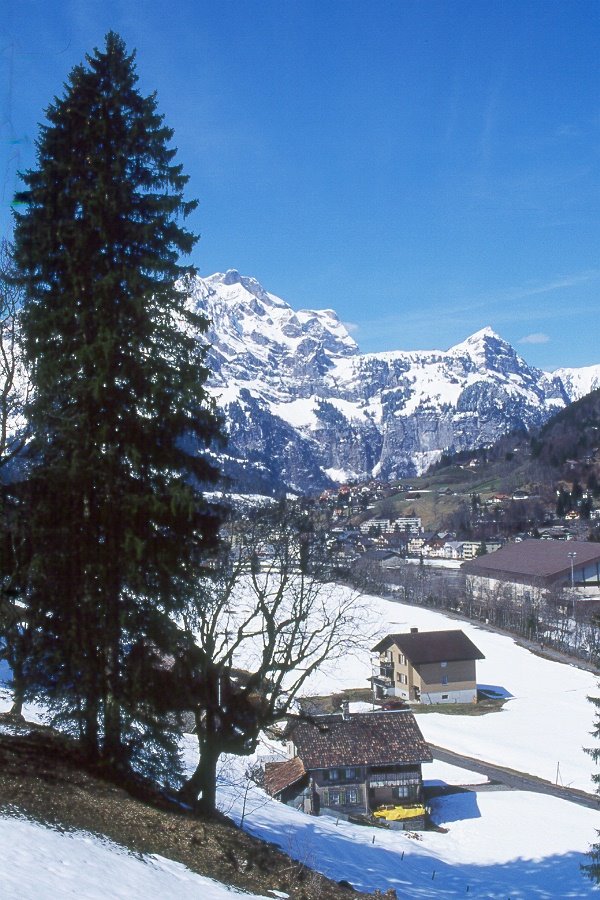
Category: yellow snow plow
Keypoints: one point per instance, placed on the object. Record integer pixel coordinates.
(399, 813)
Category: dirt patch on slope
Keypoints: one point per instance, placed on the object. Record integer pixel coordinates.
(42, 776)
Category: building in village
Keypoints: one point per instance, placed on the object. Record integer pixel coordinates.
(404, 524)
(350, 764)
(531, 569)
(427, 667)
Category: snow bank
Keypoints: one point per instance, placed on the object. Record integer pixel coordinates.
(39, 863)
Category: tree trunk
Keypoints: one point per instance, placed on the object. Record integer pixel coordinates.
(89, 730)
(200, 790)
(17, 661)
(18, 698)
(113, 752)
(112, 747)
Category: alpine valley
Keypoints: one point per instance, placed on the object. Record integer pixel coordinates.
(304, 409)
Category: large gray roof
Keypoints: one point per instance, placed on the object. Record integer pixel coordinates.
(530, 560)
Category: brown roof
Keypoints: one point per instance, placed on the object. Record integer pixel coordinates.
(361, 739)
(534, 560)
(432, 646)
(280, 775)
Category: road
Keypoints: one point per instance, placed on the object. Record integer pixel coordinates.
(514, 781)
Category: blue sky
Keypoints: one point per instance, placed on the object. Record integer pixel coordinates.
(424, 168)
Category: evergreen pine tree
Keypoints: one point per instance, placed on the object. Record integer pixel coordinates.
(118, 526)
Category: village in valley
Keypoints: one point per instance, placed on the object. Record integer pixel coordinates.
(299, 592)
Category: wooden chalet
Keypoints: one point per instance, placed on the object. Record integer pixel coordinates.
(351, 763)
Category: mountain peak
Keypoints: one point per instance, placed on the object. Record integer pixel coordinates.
(244, 283)
(483, 343)
(482, 335)
(231, 276)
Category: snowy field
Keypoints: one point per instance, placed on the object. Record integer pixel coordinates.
(499, 844)
(42, 864)
(544, 725)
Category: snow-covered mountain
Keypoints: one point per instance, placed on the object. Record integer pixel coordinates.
(305, 409)
(578, 382)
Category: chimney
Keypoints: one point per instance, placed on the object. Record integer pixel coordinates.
(414, 630)
(345, 709)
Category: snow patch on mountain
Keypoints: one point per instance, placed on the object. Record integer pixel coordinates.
(578, 382)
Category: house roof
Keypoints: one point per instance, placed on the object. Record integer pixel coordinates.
(361, 739)
(534, 560)
(281, 775)
(432, 646)
(380, 555)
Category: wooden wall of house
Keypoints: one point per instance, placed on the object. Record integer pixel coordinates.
(461, 675)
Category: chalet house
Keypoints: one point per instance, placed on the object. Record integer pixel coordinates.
(417, 542)
(351, 763)
(532, 568)
(434, 546)
(427, 667)
(453, 550)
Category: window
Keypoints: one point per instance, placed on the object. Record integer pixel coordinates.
(444, 679)
(332, 775)
(402, 678)
(349, 773)
(402, 659)
(406, 792)
(443, 665)
(444, 696)
(342, 797)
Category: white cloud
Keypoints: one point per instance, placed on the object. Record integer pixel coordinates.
(537, 337)
(351, 327)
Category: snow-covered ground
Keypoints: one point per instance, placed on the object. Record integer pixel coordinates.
(42, 864)
(498, 844)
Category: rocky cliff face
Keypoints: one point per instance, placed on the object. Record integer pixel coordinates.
(305, 409)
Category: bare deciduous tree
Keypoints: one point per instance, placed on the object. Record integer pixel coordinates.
(14, 390)
(265, 625)
(14, 385)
